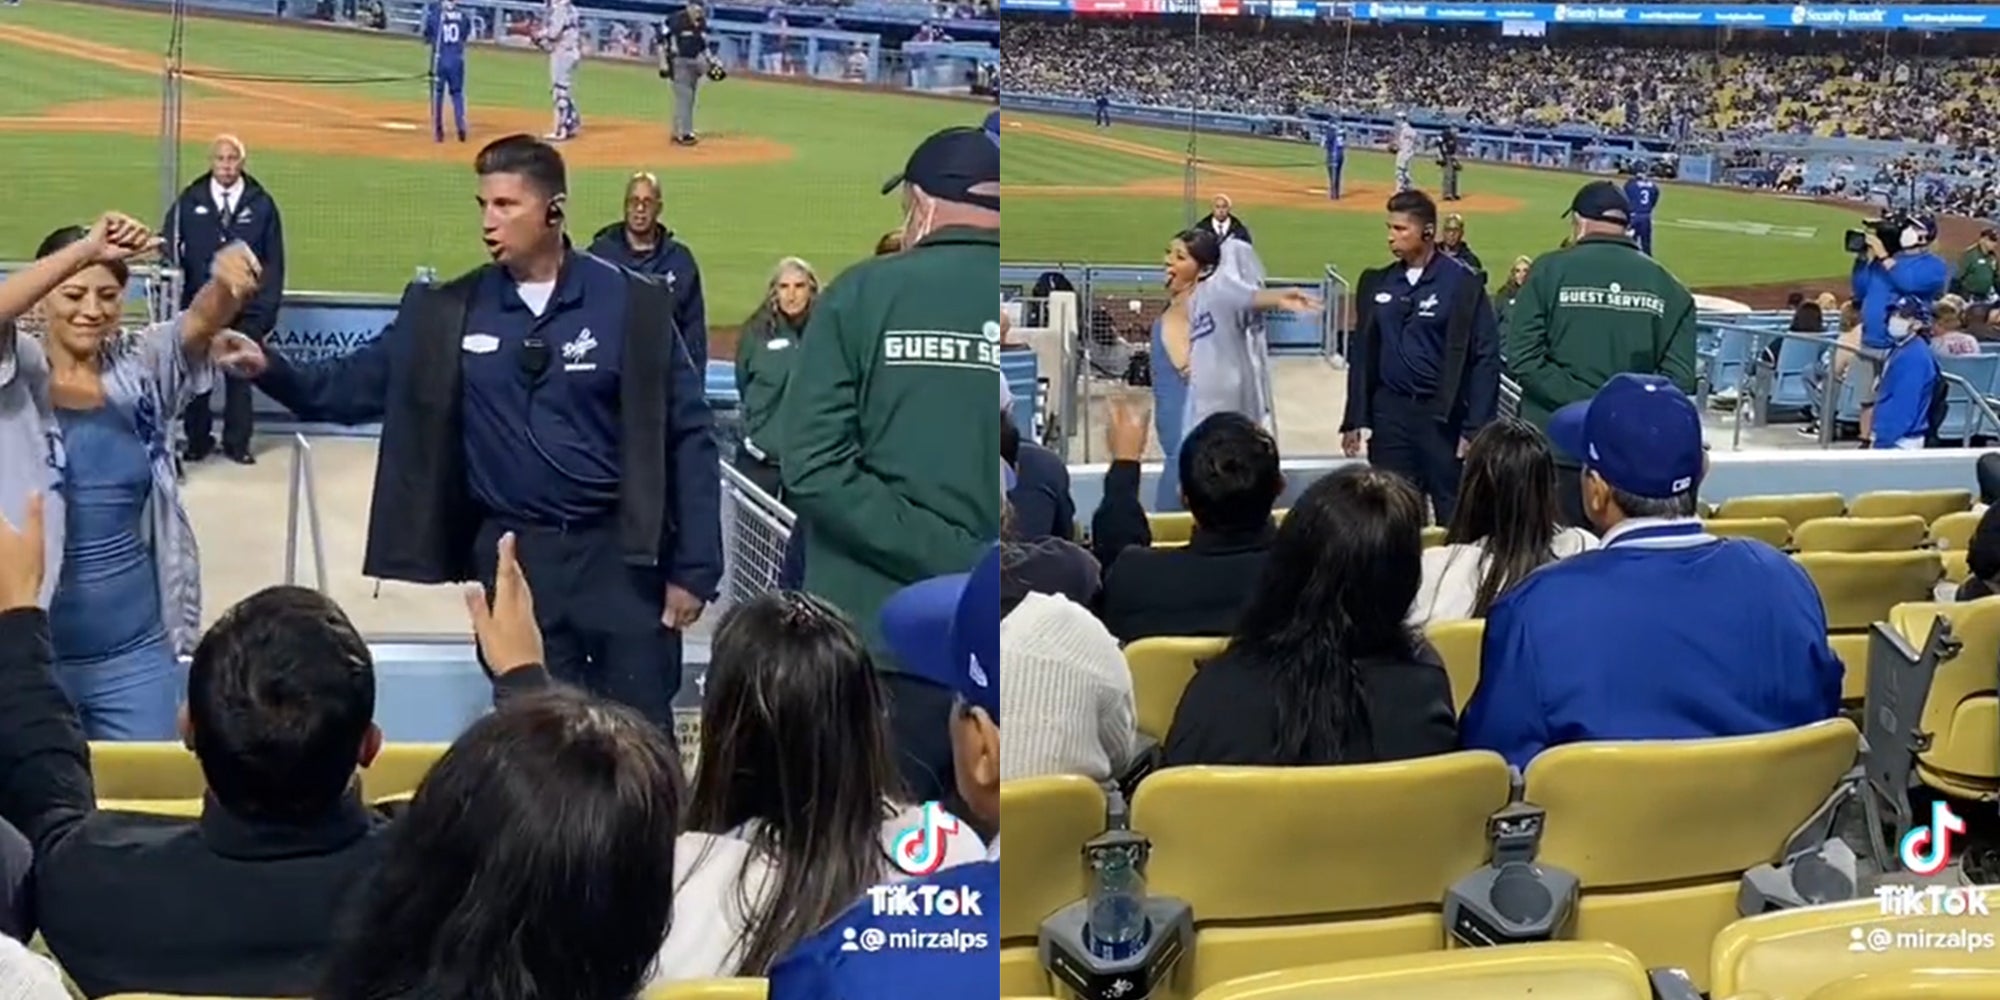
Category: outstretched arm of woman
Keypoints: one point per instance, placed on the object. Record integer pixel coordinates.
(233, 281)
(113, 237)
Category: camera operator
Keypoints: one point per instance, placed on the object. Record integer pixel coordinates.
(1881, 277)
(1448, 162)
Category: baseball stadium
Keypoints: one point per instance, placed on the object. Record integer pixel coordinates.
(313, 141)
(1537, 458)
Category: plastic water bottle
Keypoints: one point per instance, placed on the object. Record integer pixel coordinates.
(427, 275)
(1116, 924)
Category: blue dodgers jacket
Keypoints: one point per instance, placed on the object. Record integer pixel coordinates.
(1920, 273)
(673, 263)
(1666, 632)
(887, 947)
(1903, 396)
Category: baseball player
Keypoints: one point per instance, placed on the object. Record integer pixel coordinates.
(1644, 196)
(562, 37)
(1334, 142)
(447, 27)
(1406, 151)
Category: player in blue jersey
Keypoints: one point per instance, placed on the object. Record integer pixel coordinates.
(1334, 141)
(447, 28)
(1642, 193)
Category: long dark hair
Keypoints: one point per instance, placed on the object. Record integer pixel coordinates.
(1202, 248)
(1507, 500)
(62, 238)
(1336, 589)
(537, 861)
(794, 740)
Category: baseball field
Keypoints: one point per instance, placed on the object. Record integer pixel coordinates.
(1116, 196)
(338, 125)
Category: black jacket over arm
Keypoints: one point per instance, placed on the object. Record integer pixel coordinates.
(132, 903)
(422, 519)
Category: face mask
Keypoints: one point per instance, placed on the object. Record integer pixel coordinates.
(1901, 327)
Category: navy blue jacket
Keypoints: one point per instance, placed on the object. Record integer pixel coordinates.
(1665, 633)
(673, 263)
(1438, 339)
(194, 232)
(422, 521)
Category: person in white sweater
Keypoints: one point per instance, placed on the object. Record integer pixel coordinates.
(25, 975)
(1505, 526)
(1068, 696)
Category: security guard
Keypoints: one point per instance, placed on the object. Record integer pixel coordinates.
(892, 418)
(1452, 243)
(537, 395)
(640, 242)
(1589, 311)
(1424, 372)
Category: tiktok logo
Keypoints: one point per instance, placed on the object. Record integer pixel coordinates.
(1926, 850)
(920, 850)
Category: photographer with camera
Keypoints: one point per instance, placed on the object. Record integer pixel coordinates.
(1882, 277)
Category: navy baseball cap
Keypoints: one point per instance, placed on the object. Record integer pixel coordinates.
(1641, 434)
(946, 630)
(960, 164)
(1600, 201)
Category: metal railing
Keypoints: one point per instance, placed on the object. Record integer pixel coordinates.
(303, 498)
(756, 531)
(1754, 390)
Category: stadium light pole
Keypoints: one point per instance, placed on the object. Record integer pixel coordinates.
(1189, 180)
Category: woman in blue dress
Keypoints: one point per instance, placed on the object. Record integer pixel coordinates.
(127, 596)
(1208, 349)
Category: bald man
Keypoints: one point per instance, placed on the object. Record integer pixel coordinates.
(226, 205)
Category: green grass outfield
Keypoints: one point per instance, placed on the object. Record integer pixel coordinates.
(1709, 237)
(361, 223)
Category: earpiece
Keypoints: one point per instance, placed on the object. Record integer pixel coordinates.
(556, 210)
(1430, 231)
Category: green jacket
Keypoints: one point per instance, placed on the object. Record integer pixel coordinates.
(764, 353)
(892, 423)
(1976, 273)
(1590, 311)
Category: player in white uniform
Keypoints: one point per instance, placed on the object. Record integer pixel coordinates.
(1406, 151)
(562, 37)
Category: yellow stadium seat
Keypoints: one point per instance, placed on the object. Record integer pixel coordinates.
(1161, 669)
(1953, 532)
(1041, 871)
(1861, 534)
(1562, 970)
(180, 996)
(1659, 833)
(176, 808)
(1457, 642)
(708, 989)
(1292, 866)
(1927, 504)
(128, 773)
(1959, 724)
(1858, 589)
(1795, 508)
(1773, 531)
(1793, 954)
(1957, 568)
(399, 769)
(1433, 537)
(1168, 528)
(1914, 984)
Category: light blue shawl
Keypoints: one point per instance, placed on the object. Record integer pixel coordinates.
(1227, 356)
(149, 380)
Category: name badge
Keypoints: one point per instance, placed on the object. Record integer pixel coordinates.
(779, 344)
(480, 343)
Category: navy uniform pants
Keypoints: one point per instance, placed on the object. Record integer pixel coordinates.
(600, 617)
(1409, 441)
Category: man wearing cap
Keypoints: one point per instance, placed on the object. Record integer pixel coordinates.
(1590, 311)
(949, 630)
(1666, 632)
(1882, 278)
(892, 417)
(1977, 268)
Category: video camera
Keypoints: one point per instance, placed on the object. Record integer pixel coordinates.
(1889, 229)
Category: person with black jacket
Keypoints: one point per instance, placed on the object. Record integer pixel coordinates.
(247, 899)
(226, 205)
(546, 394)
(640, 242)
(1424, 366)
(1221, 223)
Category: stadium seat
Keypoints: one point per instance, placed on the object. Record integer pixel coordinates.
(1161, 669)
(1048, 820)
(1957, 567)
(1433, 537)
(1773, 531)
(1959, 723)
(125, 773)
(1858, 589)
(177, 808)
(1861, 534)
(1561, 970)
(708, 989)
(1292, 866)
(1927, 504)
(1168, 528)
(1457, 642)
(1794, 954)
(1659, 833)
(1953, 532)
(1914, 984)
(1795, 508)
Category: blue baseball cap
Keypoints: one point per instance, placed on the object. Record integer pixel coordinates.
(1641, 434)
(946, 630)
